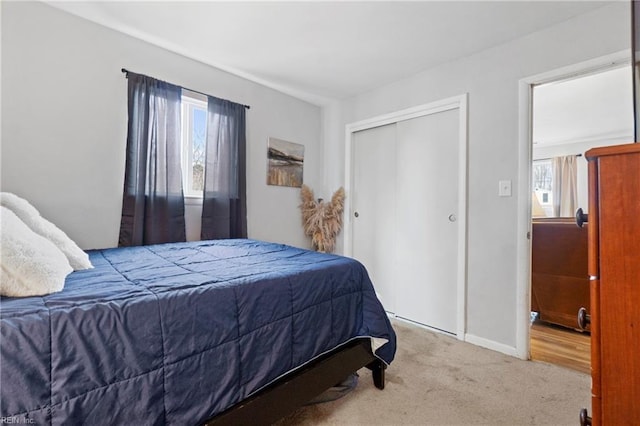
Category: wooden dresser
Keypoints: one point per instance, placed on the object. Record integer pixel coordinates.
(614, 270)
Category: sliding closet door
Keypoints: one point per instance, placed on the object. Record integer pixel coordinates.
(374, 208)
(427, 198)
(406, 225)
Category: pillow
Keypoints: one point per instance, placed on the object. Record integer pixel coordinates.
(78, 259)
(31, 264)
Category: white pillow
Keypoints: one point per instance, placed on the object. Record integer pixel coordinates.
(31, 264)
(78, 259)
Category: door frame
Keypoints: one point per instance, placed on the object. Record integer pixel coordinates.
(525, 155)
(457, 102)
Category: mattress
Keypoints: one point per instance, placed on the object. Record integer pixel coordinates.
(176, 333)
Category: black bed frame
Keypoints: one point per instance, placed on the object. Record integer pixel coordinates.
(295, 389)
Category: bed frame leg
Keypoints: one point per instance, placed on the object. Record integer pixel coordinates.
(378, 368)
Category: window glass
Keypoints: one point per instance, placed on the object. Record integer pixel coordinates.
(194, 134)
(199, 127)
(542, 185)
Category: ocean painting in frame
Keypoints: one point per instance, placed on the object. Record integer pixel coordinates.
(286, 160)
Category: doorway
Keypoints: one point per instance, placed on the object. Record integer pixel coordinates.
(406, 176)
(570, 113)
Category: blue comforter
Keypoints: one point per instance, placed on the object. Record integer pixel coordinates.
(176, 333)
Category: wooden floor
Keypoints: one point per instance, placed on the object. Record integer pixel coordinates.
(561, 346)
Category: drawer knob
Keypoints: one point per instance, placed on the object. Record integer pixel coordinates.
(585, 420)
(584, 319)
(581, 217)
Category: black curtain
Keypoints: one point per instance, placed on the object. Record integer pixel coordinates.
(224, 208)
(153, 201)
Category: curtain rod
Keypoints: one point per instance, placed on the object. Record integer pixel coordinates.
(551, 158)
(126, 71)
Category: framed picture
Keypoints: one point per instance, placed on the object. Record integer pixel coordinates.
(285, 163)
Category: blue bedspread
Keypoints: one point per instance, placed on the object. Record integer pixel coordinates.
(175, 333)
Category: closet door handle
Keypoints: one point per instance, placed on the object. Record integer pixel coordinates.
(584, 319)
(356, 214)
(581, 217)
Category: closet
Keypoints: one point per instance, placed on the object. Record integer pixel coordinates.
(406, 214)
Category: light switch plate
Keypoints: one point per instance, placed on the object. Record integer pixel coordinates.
(504, 188)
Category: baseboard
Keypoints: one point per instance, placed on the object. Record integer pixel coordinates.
(424, 326)
(490, 344)
(469, 338)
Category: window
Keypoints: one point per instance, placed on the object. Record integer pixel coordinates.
(194, 134)
(542, 184)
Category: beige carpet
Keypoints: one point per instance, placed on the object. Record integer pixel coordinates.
(438, 380)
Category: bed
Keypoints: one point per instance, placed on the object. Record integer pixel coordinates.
(188, 333)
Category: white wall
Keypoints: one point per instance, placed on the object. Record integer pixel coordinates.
(491, 78)
(64, 121)
(64, 130)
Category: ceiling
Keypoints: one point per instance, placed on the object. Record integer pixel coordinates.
(589, 108)
(320, 51)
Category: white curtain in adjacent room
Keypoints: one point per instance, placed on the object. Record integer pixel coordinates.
(565, 189)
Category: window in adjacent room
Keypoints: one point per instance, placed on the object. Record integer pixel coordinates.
(543, 184)
(194, 133)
